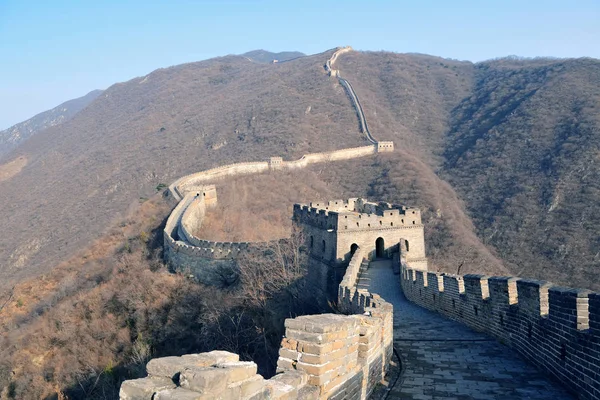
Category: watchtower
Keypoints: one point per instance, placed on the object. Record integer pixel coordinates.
(335, 229)
(275, 162)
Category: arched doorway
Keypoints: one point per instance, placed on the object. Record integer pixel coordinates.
(353, 249)
(379, 248)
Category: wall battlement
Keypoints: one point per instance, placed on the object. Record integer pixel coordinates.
(554, 328)
(355, 214)
(192, 182)
(334, 227)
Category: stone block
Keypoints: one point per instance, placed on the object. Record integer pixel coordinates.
(144, 388)
(211, 358)
(308, 392)
(323, 358)
(284, 364)
(289, 354)
(322, 323)
(249, 387)
(281, 391)
(289, 344)
(179, 394)
(205, 380)
(316, 338)
(238, 371)
(320, 380)
(293, 378)
(314, 369)
(168, 367)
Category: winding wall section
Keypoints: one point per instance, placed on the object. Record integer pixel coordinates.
(362, 120)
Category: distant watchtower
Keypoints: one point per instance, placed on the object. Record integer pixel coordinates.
(335, 229)
(384, 147)
(275, 163)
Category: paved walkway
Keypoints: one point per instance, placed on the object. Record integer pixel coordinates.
(442, 359)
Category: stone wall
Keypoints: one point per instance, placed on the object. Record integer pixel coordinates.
(326, 356)
(191, 182)
(329, 63)
(331, 234)
(557, 329)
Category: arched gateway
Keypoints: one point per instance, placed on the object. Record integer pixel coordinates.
(379, 248)
(345, 225)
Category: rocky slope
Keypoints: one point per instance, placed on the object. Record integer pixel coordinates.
(11, 138)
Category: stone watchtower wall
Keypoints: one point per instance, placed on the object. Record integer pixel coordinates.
(334, 228)
(327, 356)
(557, 329)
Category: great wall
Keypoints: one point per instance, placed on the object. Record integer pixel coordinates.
(482, 338)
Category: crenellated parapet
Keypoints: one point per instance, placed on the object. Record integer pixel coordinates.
(196, 181)
(557, 329)
(334, 227)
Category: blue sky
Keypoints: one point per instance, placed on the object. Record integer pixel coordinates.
(56, 50)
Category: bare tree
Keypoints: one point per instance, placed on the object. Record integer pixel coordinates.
(10, 296)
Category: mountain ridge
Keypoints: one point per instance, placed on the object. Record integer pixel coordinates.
(13, 136)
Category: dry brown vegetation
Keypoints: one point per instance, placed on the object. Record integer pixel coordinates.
(259, 207)
(12, 168)
(97, 319)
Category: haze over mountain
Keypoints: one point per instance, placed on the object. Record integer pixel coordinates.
(11, 138)
(516, 140)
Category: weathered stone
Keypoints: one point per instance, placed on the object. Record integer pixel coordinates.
(211, 358)
(281, 391)
(249, 387)
(180, 394)
(204, 379)
(292, 378)
(238, 371)
(168, 367)
(308, 392)
(322, 323)
(144, 388)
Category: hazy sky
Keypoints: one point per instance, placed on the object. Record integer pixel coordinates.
(56, 50)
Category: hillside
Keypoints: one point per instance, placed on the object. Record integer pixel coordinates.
(524, 155)
(86, 173)
(71, 182)
(95, 319)
(11, 138)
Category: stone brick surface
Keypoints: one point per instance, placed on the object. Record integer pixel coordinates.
(443, 359)
(179, 394)
(144, 388)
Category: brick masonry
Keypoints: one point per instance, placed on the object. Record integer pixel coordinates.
(556, 329)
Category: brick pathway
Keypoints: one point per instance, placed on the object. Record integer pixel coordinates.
(442, 359)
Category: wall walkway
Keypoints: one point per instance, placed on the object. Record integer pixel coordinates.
(444, 359)
(362, 120)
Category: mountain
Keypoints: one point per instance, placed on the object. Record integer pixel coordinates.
(462, 132)
(11, 138)
(520, 149)
(524, 154)
(263, 56)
